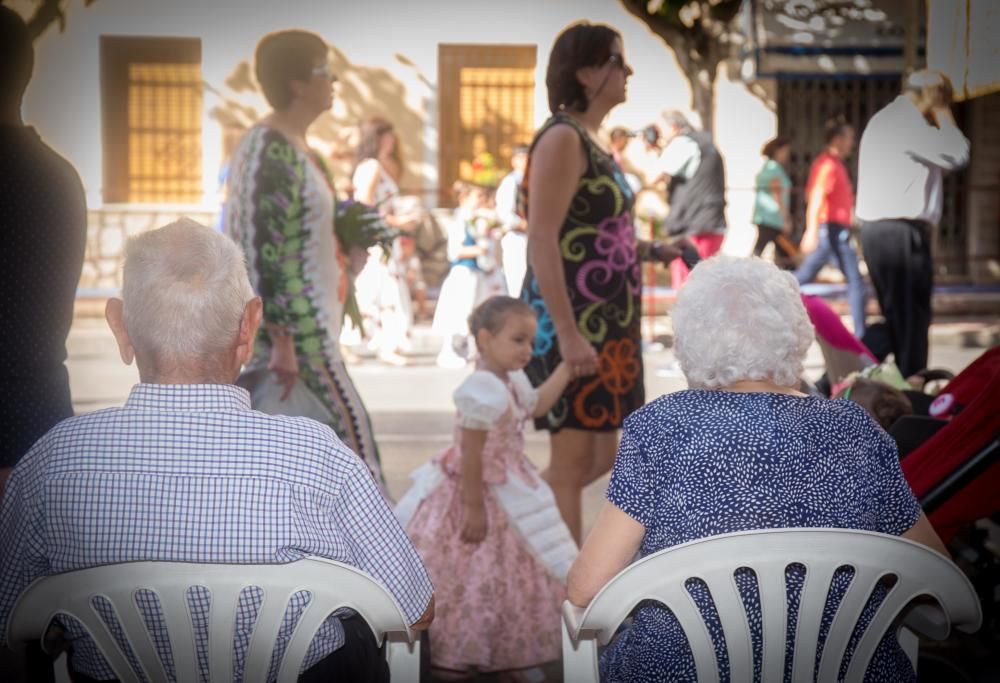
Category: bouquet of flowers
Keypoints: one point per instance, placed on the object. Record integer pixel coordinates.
(484, 171)
(360, 226)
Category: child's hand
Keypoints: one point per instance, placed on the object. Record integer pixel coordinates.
(570, 373)
(473, 522)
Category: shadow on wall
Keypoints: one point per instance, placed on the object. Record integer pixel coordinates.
(362, 91)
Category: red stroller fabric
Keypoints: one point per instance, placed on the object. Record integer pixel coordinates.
(968, 434)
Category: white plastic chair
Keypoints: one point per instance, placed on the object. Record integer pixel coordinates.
(333, 585)
(919, 571)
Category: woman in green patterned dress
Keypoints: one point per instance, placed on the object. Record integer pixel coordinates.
(280, 209)
(583, 275)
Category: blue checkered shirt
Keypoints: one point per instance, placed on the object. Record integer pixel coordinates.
(189, 473)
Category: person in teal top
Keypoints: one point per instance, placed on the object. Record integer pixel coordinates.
(771, 212)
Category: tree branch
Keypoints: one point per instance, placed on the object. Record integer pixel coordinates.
(46, 14)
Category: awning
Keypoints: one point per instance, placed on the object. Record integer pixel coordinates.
(962, 42)
(826, 38)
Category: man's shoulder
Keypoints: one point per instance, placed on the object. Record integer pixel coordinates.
(252, 434)
(42, 162)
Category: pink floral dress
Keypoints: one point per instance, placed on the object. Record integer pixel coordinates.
(497, 603)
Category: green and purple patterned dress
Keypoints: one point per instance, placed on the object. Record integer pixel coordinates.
(601, 267)
(280, 210)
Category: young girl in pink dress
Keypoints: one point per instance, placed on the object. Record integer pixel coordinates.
(483, 520)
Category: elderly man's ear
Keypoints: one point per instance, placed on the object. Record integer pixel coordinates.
(113, 313)
(249, 324)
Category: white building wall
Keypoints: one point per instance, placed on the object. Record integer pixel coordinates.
(395, 41)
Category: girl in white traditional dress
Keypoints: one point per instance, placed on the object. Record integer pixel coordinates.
(484, 521)
(474, 275)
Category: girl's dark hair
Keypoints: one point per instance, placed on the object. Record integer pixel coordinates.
(581, 45)
(491, 314)
(283, 57)
(371, 132)
(772, 146)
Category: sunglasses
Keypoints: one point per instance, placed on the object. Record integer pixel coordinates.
(325, 72)
(616, 60)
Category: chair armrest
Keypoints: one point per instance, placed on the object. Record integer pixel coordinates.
(927, 620)
(579, 653)
(573, 617)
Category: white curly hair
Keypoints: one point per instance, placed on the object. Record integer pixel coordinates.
(740, 319)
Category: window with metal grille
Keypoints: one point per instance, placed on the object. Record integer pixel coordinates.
(151, 100)
(486, 101)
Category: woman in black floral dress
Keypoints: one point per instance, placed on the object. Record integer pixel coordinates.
(583, 275)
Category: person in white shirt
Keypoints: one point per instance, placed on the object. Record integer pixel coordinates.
(514, 243)
(903, 155)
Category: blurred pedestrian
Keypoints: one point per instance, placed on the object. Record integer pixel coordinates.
(514, 243)
(382, 291)
(620, 137)
(830, 218)
(692, 167)
(905, 151)
(280, 209)
(772, 208)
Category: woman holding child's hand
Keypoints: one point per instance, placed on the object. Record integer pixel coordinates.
(583, 276)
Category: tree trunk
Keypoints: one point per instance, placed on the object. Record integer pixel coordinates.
(703, 97)
(700, 73)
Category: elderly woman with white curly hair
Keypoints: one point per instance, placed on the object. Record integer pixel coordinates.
(741, 449)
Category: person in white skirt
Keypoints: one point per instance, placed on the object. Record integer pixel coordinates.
(473, 278)
(484, 522)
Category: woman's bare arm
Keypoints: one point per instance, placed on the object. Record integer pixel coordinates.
(923, 532)
(364, 191)
(609, 548)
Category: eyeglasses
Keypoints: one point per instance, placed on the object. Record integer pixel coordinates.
(617, 60)
(325, 72)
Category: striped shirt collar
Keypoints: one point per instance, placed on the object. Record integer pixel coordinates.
(188, 397)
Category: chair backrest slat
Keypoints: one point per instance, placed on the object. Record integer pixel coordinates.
(811, 603)
(270, 617)
(902, 593)
(726, 595)
(689, 616)
(136, 635)
(221, 620)
(177, 620)
(312, 618)
(774, 616)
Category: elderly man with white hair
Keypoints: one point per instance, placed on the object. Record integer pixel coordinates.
(740, 450)
(185, 471)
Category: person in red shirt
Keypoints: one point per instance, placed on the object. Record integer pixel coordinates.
(829, 218)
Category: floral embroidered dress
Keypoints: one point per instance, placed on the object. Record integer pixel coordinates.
(601, 266)
(280, 210)
(497, 602)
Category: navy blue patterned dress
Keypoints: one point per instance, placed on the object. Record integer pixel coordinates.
(700, 463)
